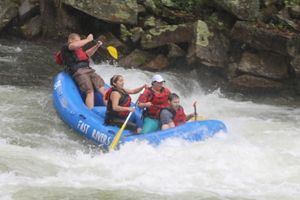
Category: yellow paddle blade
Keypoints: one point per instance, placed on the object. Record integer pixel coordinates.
(117, 138)
(199, 118)
(113, 52)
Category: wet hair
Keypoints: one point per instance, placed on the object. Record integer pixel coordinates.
(173, 96)
(114, 79)
(72, 36)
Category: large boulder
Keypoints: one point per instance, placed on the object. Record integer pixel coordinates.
(296, 65)
(208, 47)
(158, 63)
(262, 38)
(115, 11)
(33, 28)
(28, 9)
(175, 17)
(162, 35)
(110, 39)
(254, 82)
(266, 64)
(135, 59)
(8, 11)
(243, 9)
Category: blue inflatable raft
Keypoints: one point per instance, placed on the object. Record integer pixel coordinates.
(69, 104)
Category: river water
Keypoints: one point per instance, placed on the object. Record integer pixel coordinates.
(41, 158)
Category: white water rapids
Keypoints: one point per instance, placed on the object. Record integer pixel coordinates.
(41, 158)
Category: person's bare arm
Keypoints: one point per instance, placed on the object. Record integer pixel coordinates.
(93, 49)
(167, 126)
(80, 43)
(136, 90)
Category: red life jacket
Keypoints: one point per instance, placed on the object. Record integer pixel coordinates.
(178, 116)
(124, 101)
(81, 55)
(156, 99)
(73, 59)
(58, 58)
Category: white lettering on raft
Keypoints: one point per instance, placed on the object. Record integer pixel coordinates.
(101, 137)
(83, 127)
(57, 84)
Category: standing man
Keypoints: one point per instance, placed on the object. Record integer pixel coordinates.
(173, 115)
(78, 64)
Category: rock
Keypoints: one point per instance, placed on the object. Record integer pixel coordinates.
(262, 38)
(167, 3)
(158, 63)
(268, 11)
(296, 65)
(243, 9)
(254, 82)
(109, 39)
(33, 28)
(136, 34)
(115, 11)
(151, 21)
(269, 2)
(141, 9)
(266, 64)
(28, 9)
(162, 35)
(150, 5)
(124, 33)
(67, 23)
(175, 51)
(208, 48)
(135, 59)
(284, 17)
(175, 17)
(294, 11)
(8, 12)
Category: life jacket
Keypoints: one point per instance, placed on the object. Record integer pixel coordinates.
(58, 58)
(178, 116)
(124, 101)
(158, 100)
(73, 59)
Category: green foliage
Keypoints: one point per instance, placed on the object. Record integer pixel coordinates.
(280, 26)
(158, 3)
(187, 6)
(15, 5)
(210, 21)
(184, 6)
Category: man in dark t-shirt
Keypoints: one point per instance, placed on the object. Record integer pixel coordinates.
(173, 115)
(77, 61)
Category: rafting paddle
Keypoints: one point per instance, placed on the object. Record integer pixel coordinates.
(118, 136)
(195, 110)
(112, 50)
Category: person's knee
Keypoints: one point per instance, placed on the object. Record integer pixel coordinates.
(90, 94)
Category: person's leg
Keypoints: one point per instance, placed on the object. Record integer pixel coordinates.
(89, 100)
(150, 125)
(81, 77)
(120, 122)
(99, 86)
(102, 91)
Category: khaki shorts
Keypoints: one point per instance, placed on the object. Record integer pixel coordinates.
(88, 80)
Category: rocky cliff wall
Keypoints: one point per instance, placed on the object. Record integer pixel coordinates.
(246, 46)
